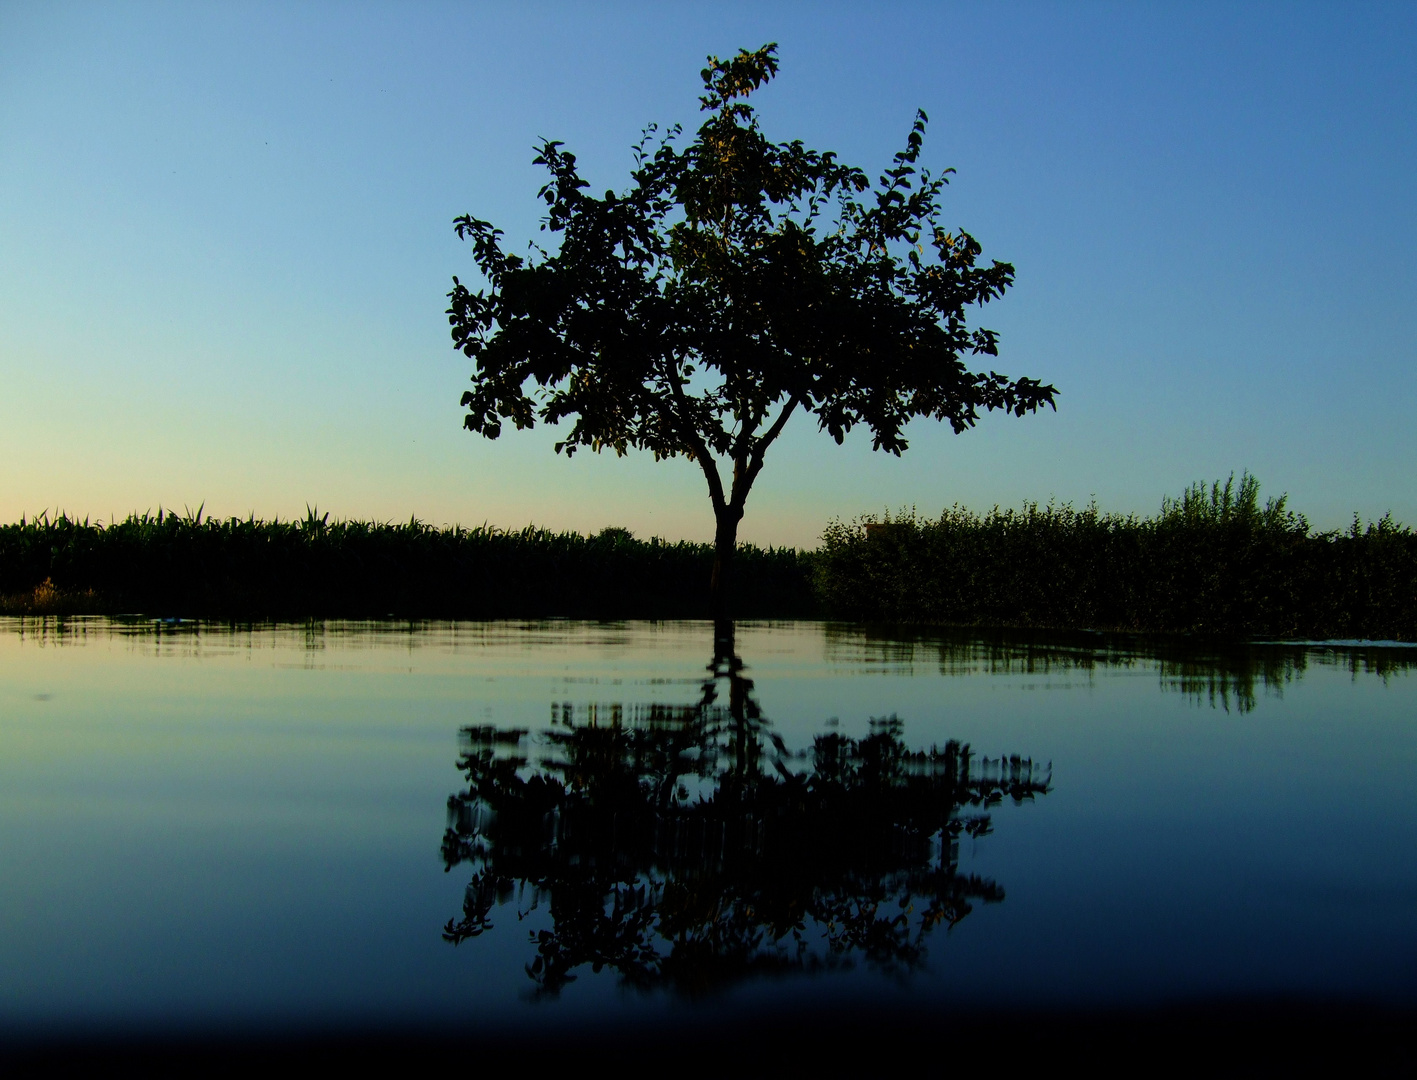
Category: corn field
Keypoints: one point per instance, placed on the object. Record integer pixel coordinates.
(1214, 561)
(181, 565)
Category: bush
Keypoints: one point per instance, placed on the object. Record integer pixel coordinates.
(1212, 562)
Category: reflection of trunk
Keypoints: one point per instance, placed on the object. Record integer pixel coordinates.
(745, 717)
(725, 542)
(723, 647)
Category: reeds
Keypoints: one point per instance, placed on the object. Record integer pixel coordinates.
(183, 565)
(1213, 561)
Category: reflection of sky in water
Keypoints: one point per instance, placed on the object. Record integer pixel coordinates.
(235, 827)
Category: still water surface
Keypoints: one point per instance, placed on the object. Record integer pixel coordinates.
(543, 825)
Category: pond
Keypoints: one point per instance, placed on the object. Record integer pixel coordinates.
(539, 827)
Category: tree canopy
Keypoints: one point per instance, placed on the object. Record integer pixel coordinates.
(735, 282)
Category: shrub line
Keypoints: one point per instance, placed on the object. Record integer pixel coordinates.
(1214, 562)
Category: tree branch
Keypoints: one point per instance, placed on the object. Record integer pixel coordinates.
(768, 438)
(683, 423)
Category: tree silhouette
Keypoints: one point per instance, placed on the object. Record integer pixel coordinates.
(685, 847)
(736, 282)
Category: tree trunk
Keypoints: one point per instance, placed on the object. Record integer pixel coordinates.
(725, 543)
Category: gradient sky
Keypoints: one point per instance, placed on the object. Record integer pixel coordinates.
(226, 239)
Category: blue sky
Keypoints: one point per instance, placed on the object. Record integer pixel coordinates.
(225, 244)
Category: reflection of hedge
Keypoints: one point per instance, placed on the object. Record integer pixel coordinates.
(1214, 561)
(173, 565)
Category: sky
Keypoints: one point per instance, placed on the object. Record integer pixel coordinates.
(226, 242)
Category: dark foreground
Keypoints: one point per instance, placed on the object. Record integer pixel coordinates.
(1233, 1038)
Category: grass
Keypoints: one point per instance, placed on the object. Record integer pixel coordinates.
(1213, 562)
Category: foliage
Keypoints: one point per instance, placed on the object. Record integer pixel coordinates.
(185, 565)
(735, 282)
(1212, 562)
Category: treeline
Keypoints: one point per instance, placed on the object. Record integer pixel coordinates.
(1213, 561)
(181, 565)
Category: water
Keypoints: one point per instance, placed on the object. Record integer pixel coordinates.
(304, 828)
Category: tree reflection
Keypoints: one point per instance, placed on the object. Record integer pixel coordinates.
(686, 847)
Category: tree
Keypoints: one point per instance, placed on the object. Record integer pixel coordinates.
(736, 282)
